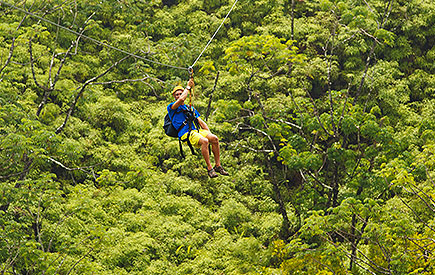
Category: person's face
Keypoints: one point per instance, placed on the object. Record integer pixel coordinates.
(177, 94)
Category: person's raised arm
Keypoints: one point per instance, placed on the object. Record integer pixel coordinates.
(180, 100)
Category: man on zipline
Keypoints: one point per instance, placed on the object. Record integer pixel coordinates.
(199, 136)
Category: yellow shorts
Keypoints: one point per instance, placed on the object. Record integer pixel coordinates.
(195, 136)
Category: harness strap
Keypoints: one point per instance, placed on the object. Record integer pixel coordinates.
(181, 149)
(191, 119)
(187, 140)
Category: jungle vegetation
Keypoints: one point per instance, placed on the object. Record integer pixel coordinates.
(325, 111)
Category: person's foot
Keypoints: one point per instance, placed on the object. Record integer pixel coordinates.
(221, 170)
(212, 173)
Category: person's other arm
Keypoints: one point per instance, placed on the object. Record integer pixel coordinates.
(203, 124)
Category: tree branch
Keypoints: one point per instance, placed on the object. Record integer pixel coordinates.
(415, 213)
(52, 83)
(211, 96)
(262, 132)
(329, 66)
(316, 113)
(32, 66)
(11, 49)
(253, 149)
(285, 122)
(372, 51)
(319, 181)
(367, 260)
(84, 256)
(74, 169)
(82, 89)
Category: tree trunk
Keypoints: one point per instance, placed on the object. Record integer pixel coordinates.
(285, 229)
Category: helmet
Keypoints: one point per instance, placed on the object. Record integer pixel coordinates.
(179, 87)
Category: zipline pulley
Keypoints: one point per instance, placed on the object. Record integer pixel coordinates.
(190, 70)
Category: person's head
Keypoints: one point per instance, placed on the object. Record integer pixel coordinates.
(177, 91)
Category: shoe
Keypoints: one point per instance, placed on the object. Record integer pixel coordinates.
(221, 170)
(212, 173)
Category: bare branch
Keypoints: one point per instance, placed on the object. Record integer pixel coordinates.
(344, 104)
(370, 8)
(263, 112)
(319, 181)
(11, 49)
(82, 89)
(27, 165)
(285, 122)
(262, 132)
(66, 255)
(60, 264)
(49, 80)
(211, 96)
(415, 213)
(62, 62)
(372, 50)
(420, 197)
(12, 258)
(32, 66)
(66, 216)
(316, 113)
(299, 110)
(429, 176)
(51, 240)
(72, 169)
(253, 149)
(79, 260)
(324, 265)
(366, 261)
(328, 57)
(371, 36)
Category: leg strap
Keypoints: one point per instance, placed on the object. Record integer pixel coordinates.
(187, 139)
(181, 149)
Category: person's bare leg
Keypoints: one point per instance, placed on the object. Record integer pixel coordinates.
(214, 140)
(205, 153)
(215, 148)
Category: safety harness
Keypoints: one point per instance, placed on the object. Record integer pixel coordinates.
(190, 120)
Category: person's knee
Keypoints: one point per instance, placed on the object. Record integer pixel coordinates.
(213, 139)
(203, 142)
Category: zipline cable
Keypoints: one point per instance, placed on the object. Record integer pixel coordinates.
(213, 35)
(189, 69)
(91, 39)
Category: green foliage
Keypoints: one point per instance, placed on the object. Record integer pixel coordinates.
(250, 51)
(324, 111)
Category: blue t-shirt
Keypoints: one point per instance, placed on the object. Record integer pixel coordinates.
(178, 117)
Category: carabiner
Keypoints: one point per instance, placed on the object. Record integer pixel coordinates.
(190, 70)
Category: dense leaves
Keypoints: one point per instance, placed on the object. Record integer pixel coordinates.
(324, 109)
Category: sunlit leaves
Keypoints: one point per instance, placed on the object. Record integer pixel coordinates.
(255, 50)
(352, 160)
(227, 109)
(207, 68)
(385, 36)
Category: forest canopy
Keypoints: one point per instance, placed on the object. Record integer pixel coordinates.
(324, 109)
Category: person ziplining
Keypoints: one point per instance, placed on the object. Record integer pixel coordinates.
(195, 131)
(192, 130)
(185, 123)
